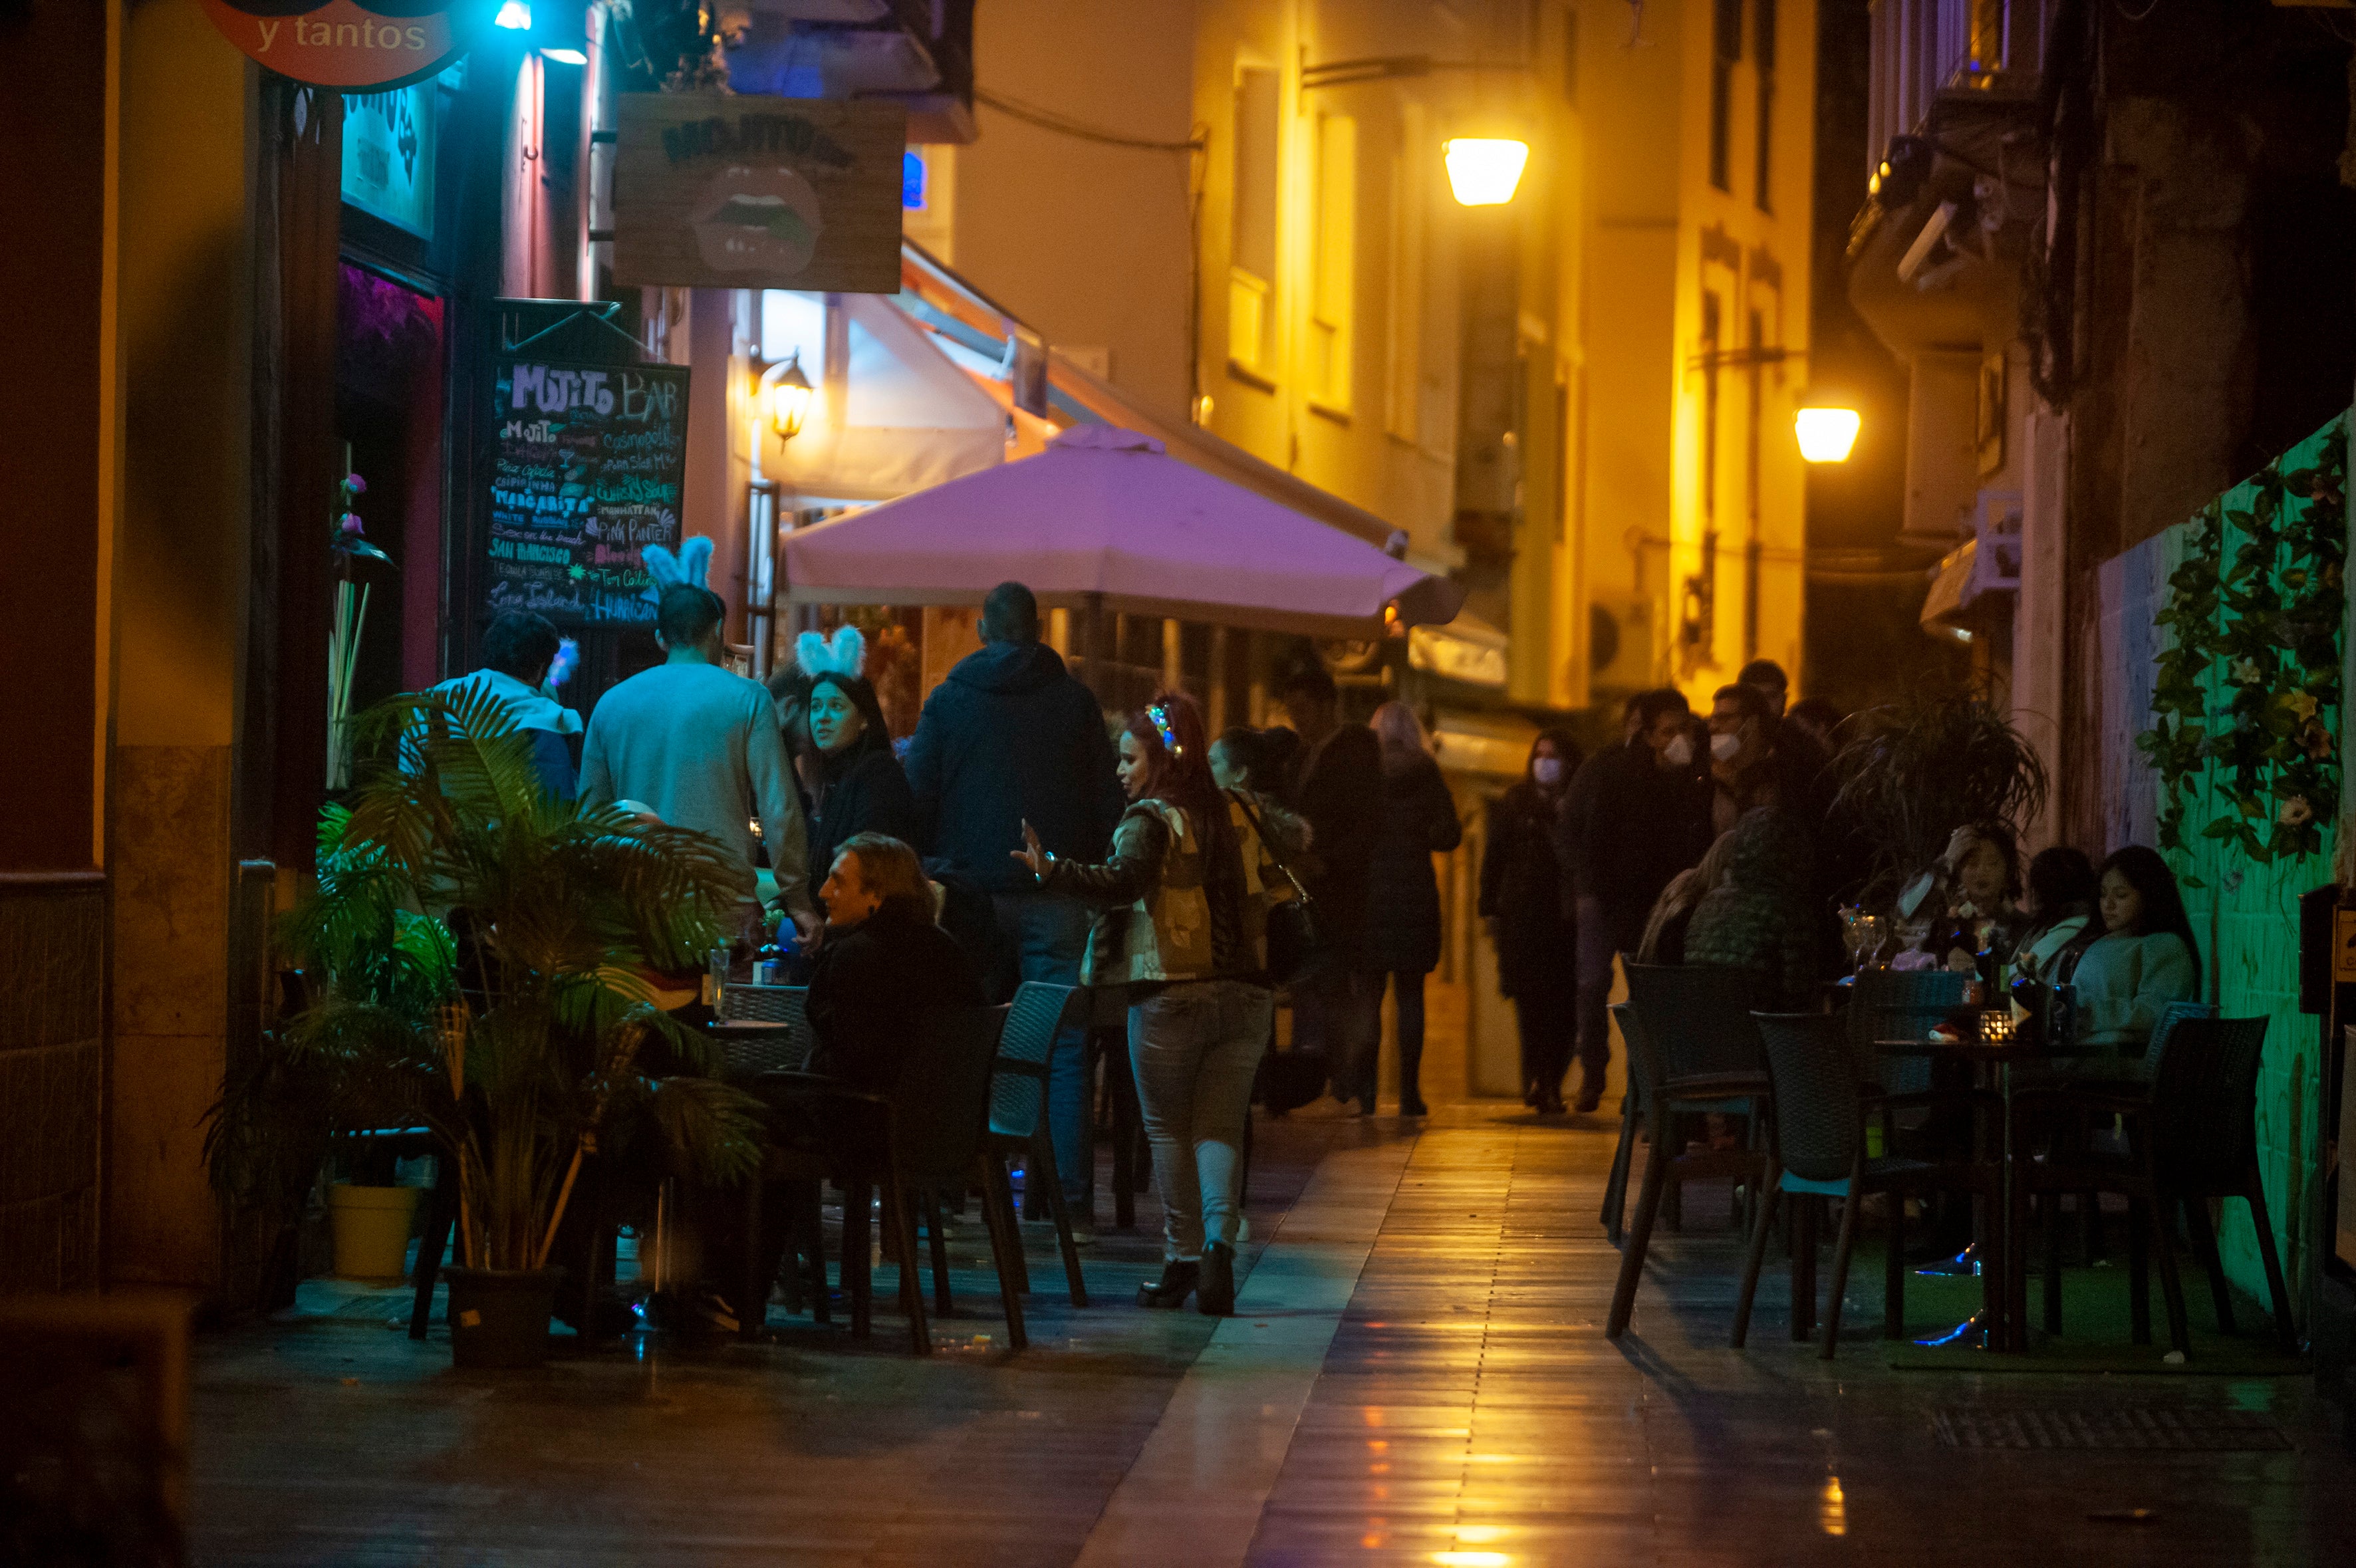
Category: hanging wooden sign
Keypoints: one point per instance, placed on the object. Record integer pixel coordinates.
(351, 43)
(753, 193)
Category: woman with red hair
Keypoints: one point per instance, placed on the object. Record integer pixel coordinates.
(1182, 928)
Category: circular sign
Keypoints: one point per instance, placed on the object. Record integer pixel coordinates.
(359, 44)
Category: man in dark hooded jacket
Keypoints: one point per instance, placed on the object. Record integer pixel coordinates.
(1011, 737)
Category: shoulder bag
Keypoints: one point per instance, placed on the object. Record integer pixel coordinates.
(1294, 939)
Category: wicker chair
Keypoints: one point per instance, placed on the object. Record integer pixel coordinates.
(1018, 1115)
(1632, 1117)
(1817, 1151)
(1701, 1052)
(2192, 1136)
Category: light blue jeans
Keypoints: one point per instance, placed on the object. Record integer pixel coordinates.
(1195, 1048)
(1050, 937)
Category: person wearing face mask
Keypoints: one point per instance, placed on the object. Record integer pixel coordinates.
(855, 784)
(1635, 815)
(1520, 898)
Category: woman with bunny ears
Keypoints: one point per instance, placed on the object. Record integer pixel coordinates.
(857, 785)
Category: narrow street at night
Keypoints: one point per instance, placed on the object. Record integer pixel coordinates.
(1416, 1373)
(1182, 783)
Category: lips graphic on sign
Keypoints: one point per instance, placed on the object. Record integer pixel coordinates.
(757, 220)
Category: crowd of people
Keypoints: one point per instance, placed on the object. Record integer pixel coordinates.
(1718, 839)
(1012, 838)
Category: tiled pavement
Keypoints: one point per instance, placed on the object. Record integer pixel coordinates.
(1418, 1374)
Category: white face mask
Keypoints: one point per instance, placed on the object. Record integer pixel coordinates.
(1547, 771)
(1678, 753)
(1723, 746)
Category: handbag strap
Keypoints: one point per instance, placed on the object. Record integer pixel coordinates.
(1244, 803)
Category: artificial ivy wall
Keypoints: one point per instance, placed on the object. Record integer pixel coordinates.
(2244, 743)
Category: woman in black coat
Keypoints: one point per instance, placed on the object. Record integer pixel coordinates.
(856, 785)
(1520, 898)
(1418, 821)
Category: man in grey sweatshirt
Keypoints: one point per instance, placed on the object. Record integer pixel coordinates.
(699, 745)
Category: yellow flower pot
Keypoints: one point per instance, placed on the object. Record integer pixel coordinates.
(372, 1227)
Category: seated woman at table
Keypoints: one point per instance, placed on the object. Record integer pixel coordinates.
(1664, 929)
(2059, 909)
(2146, 959)
(883, 964)
(1964, 903)
(1763, 915)
(1181, 929)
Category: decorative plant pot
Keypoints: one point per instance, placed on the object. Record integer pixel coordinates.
(371, 1226)
(499, 1317)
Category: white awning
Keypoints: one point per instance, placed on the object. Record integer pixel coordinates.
(908, 418)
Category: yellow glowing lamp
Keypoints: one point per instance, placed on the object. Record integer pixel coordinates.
(1826, 434)
(787, 393)
(1484, 171)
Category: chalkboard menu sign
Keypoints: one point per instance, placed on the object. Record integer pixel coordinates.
(587, 463)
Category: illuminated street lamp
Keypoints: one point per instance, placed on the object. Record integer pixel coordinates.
(1484, 171)
(786, 396)
(1827, 431)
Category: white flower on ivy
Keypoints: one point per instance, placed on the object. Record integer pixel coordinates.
(2245, 673)
(2295, 813)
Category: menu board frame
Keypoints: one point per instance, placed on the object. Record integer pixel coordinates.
(566, 511)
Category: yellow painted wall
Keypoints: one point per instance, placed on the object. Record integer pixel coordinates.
(1086, 242)
(185, 290)
(1657, 234)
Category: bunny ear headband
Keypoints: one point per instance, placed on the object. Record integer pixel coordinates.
(846, 655)
(691, 565)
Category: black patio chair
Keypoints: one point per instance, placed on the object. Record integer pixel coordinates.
(2191, 1136)
(925, 1134)
(1816, 1152)
(1631, 1120)
(1018, 1115)
(1701, 1054)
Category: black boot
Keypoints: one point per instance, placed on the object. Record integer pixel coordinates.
(1176, 1283)
(1215, 1295)
(1410, 1083)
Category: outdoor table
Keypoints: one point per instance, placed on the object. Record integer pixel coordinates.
(747, 1046)
(1994, 1232)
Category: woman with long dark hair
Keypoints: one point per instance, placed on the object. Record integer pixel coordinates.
(2146, 959)
(854, 782)
(1522, 899)
(1182, 929)
(1419, 820)
(2060, 908)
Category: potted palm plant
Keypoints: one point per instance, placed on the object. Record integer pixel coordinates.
(1919, 770)
(484, 951)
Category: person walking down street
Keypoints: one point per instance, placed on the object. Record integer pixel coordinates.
(1760, 917)
(1419, 820)
(699, 745)
(1520, 898)
(1338, 789)
(1011, 737)
(1636, 815)
(1184, 897)
(520, 649)
(857, 785)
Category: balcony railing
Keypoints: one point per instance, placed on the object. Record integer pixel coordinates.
(1924, 47)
